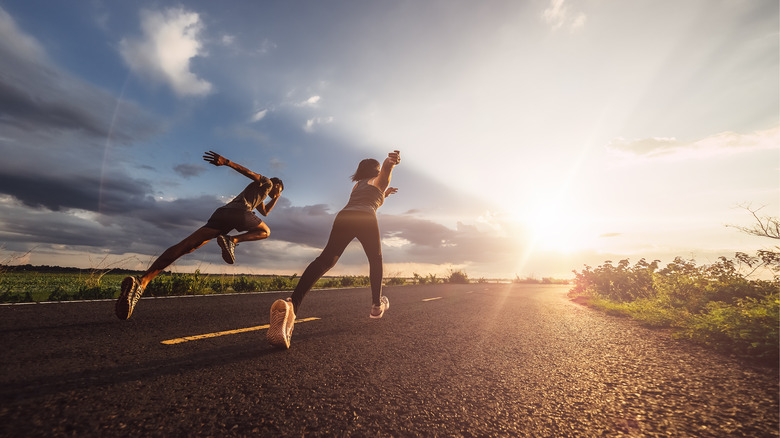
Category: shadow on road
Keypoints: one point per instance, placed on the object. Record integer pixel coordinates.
(93, 378)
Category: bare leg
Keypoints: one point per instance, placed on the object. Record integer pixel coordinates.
(261, 232)
(186, 246)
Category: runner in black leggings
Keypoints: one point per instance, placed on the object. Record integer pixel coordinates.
(356, 220)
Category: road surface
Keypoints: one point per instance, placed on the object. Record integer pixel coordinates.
(446, 360)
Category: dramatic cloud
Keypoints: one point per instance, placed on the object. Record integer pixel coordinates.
(54, 127)
(36, 96)
(405, 237)
(170, 40)
(58, 192)
(189, 170)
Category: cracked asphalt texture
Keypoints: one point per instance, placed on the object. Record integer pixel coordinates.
(479, 360)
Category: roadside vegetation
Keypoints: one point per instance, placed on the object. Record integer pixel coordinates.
(26, 283)
(544, 280)
(722, 305)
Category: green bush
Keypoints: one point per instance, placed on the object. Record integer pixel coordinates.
(395, 281)
(10, 296)
(332, 282)
(177, 284)
(458, 277)
(94, 293)
(244, 284)
(219, 284)
(747, 327)
(281, 283)
(713, 304)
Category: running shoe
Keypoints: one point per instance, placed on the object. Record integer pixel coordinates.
(378, 311)
(290, 320)
(131, 292)
(281, 325)
(228, 248)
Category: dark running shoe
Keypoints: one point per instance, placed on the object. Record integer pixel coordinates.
(281, 325)
(378, 311)
(131, 292)
(228, 248)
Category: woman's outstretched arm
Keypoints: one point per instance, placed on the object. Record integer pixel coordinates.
(218, 160)
(382, 181)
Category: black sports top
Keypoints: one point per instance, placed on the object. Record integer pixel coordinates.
(252, 195)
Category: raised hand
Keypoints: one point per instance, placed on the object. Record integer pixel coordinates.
(394, 157)
(215, 158)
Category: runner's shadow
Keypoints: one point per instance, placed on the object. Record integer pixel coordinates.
(13, 392)
(90, 326)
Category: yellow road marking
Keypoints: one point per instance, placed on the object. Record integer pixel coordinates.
(227, 332)
(431, 299)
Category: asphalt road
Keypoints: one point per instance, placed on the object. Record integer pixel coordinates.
(446, 360)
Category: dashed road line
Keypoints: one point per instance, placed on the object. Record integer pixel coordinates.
(226, 332)
(431, 299)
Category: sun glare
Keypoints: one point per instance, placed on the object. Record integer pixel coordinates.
(556, 234)
(558, 229)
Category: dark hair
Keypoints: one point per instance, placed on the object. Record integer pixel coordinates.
(366, 169)
(278, 182)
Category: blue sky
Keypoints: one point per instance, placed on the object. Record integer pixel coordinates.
(536, 136)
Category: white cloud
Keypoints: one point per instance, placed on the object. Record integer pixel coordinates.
(170, 40)
(312, 123)
(579, 21)
(228, 40)
(265, 47)
(259, 115)
(557, 15)
(724, 143)
(310, 102)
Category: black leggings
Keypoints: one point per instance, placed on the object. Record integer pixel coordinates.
(347, 226)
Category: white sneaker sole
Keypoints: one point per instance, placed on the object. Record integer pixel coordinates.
(227, 256)
(385, 304)
(278, 334)
(124, 304)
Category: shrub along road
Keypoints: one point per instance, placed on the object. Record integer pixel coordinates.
(448, 360)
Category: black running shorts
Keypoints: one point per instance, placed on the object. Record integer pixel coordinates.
(225, 219)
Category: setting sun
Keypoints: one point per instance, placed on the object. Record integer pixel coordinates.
(558, 229)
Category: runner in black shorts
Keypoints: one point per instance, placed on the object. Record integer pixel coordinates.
(236, 214)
